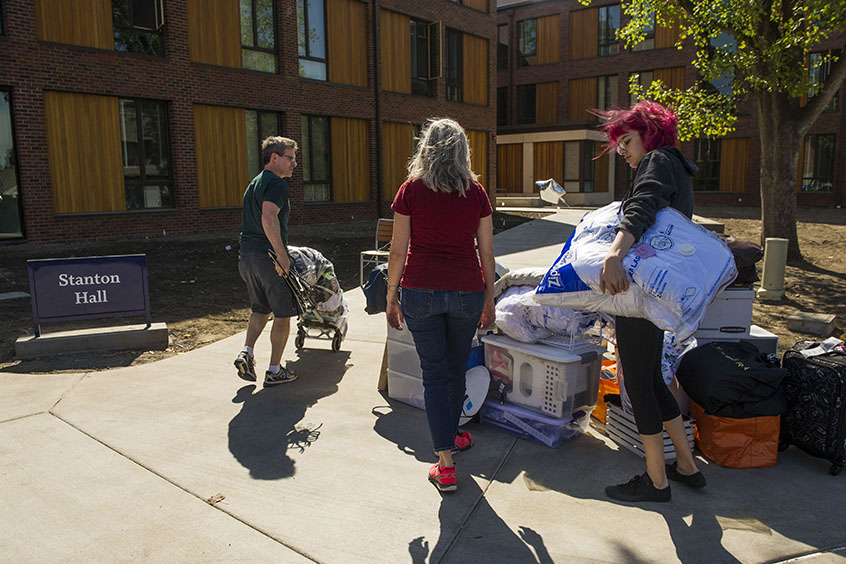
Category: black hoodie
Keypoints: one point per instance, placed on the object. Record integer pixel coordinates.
(662, 179)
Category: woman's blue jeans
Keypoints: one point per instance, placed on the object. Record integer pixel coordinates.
(442, 324)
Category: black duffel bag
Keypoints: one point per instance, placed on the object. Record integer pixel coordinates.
(733, 380)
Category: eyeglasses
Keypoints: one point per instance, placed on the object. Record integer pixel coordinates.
(289, 157)
(621, 144)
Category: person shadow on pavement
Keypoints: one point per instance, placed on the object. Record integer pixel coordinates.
(271, 421)
(406, 427)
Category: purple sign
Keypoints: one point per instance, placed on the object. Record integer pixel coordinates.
(88, 287)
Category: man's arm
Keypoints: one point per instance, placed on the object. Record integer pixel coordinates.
(270, 224)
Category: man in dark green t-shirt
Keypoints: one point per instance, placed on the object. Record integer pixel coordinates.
(264, 227)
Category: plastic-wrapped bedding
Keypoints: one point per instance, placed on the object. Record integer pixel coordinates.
(319, 273)
(520, 317)
(675, 270)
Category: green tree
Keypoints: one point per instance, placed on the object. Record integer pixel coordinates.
(757, 49)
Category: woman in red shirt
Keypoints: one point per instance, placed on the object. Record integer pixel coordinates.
(440, 214)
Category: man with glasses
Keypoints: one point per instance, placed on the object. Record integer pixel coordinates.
(264, 227)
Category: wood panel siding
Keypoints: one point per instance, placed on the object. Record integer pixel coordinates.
(350, 159)
(549, 161)
(509, 168)
(220, 144)
(475, 61)
(75, 22)
(584, 33)
(547, 39)
(347, 36)
(546, 102)
(666, 36)
(600, 182)
(214, 32)
(582, 97)
(478, 141)
(397, 143)
(83, 142)
(481, 5)
(734, 164)
(672, 77)
(395, 51)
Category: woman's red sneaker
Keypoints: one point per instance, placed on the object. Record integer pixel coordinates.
(443, 478)
(463, 441)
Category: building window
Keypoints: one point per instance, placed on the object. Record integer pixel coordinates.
(311, 38)
(526, 103)
(644, 79)
(649, 39)
(138, 26)
(609, 23)
(818, 163)
(502, 106)
(258, 38)
(146, 154)
(724, 84)
(502, 47)
(579, 166)
(10, 210)
(260, 126)
(454, 66)
(314, 154)
(706, 154)
(819, 69)
(607, 88)
(527, 42)
(423, 53)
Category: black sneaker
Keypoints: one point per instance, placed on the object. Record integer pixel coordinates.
(246, 366)
(639, 488)
(695, 481)
(282, 377)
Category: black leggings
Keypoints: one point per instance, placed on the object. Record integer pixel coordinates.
(640, 345)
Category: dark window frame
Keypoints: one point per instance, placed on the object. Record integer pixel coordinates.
(611, 94)
(808, 182)
(526, 58)
(21, 222)
(307, 45)
(707, 154)
(610, 44)
(423, 85)
(136, 33)
(263, 135)
(454, 72)
(310, 149)
(143, 179)
(254, 46)
(502, 105)
(823, 71)
(648, 42)
(503, 52)
(587, 166)
(522, 113)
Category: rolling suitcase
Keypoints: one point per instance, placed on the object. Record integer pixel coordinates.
(815, 419)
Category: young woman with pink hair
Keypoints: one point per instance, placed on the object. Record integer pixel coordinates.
(645, 135)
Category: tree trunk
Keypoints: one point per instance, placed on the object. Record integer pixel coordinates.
(780, 143)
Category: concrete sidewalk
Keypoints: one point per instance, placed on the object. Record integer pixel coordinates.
(180, 461)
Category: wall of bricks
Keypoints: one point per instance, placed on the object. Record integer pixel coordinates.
(627, 62)
(28, 67)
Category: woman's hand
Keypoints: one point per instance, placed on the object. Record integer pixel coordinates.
(393, 311)
(613, 277)
(488, 312)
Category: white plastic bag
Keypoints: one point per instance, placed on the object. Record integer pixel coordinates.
(675, 271)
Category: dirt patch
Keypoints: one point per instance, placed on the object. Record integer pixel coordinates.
(194, 287)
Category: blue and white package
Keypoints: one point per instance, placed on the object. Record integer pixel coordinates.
(675, 270)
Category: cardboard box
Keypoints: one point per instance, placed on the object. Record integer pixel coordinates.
(545, 378)
(729, 315)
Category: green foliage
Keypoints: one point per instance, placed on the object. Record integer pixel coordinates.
(750, 46)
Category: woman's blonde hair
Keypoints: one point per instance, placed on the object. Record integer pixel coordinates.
(442, 158)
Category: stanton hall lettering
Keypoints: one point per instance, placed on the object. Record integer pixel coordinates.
(85, 297)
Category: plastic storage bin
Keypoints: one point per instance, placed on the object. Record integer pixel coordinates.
(405, 388)
(402, 357)
(548, 379)
(531, 425)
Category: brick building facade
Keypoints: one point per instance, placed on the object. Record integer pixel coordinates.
(70, 96)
